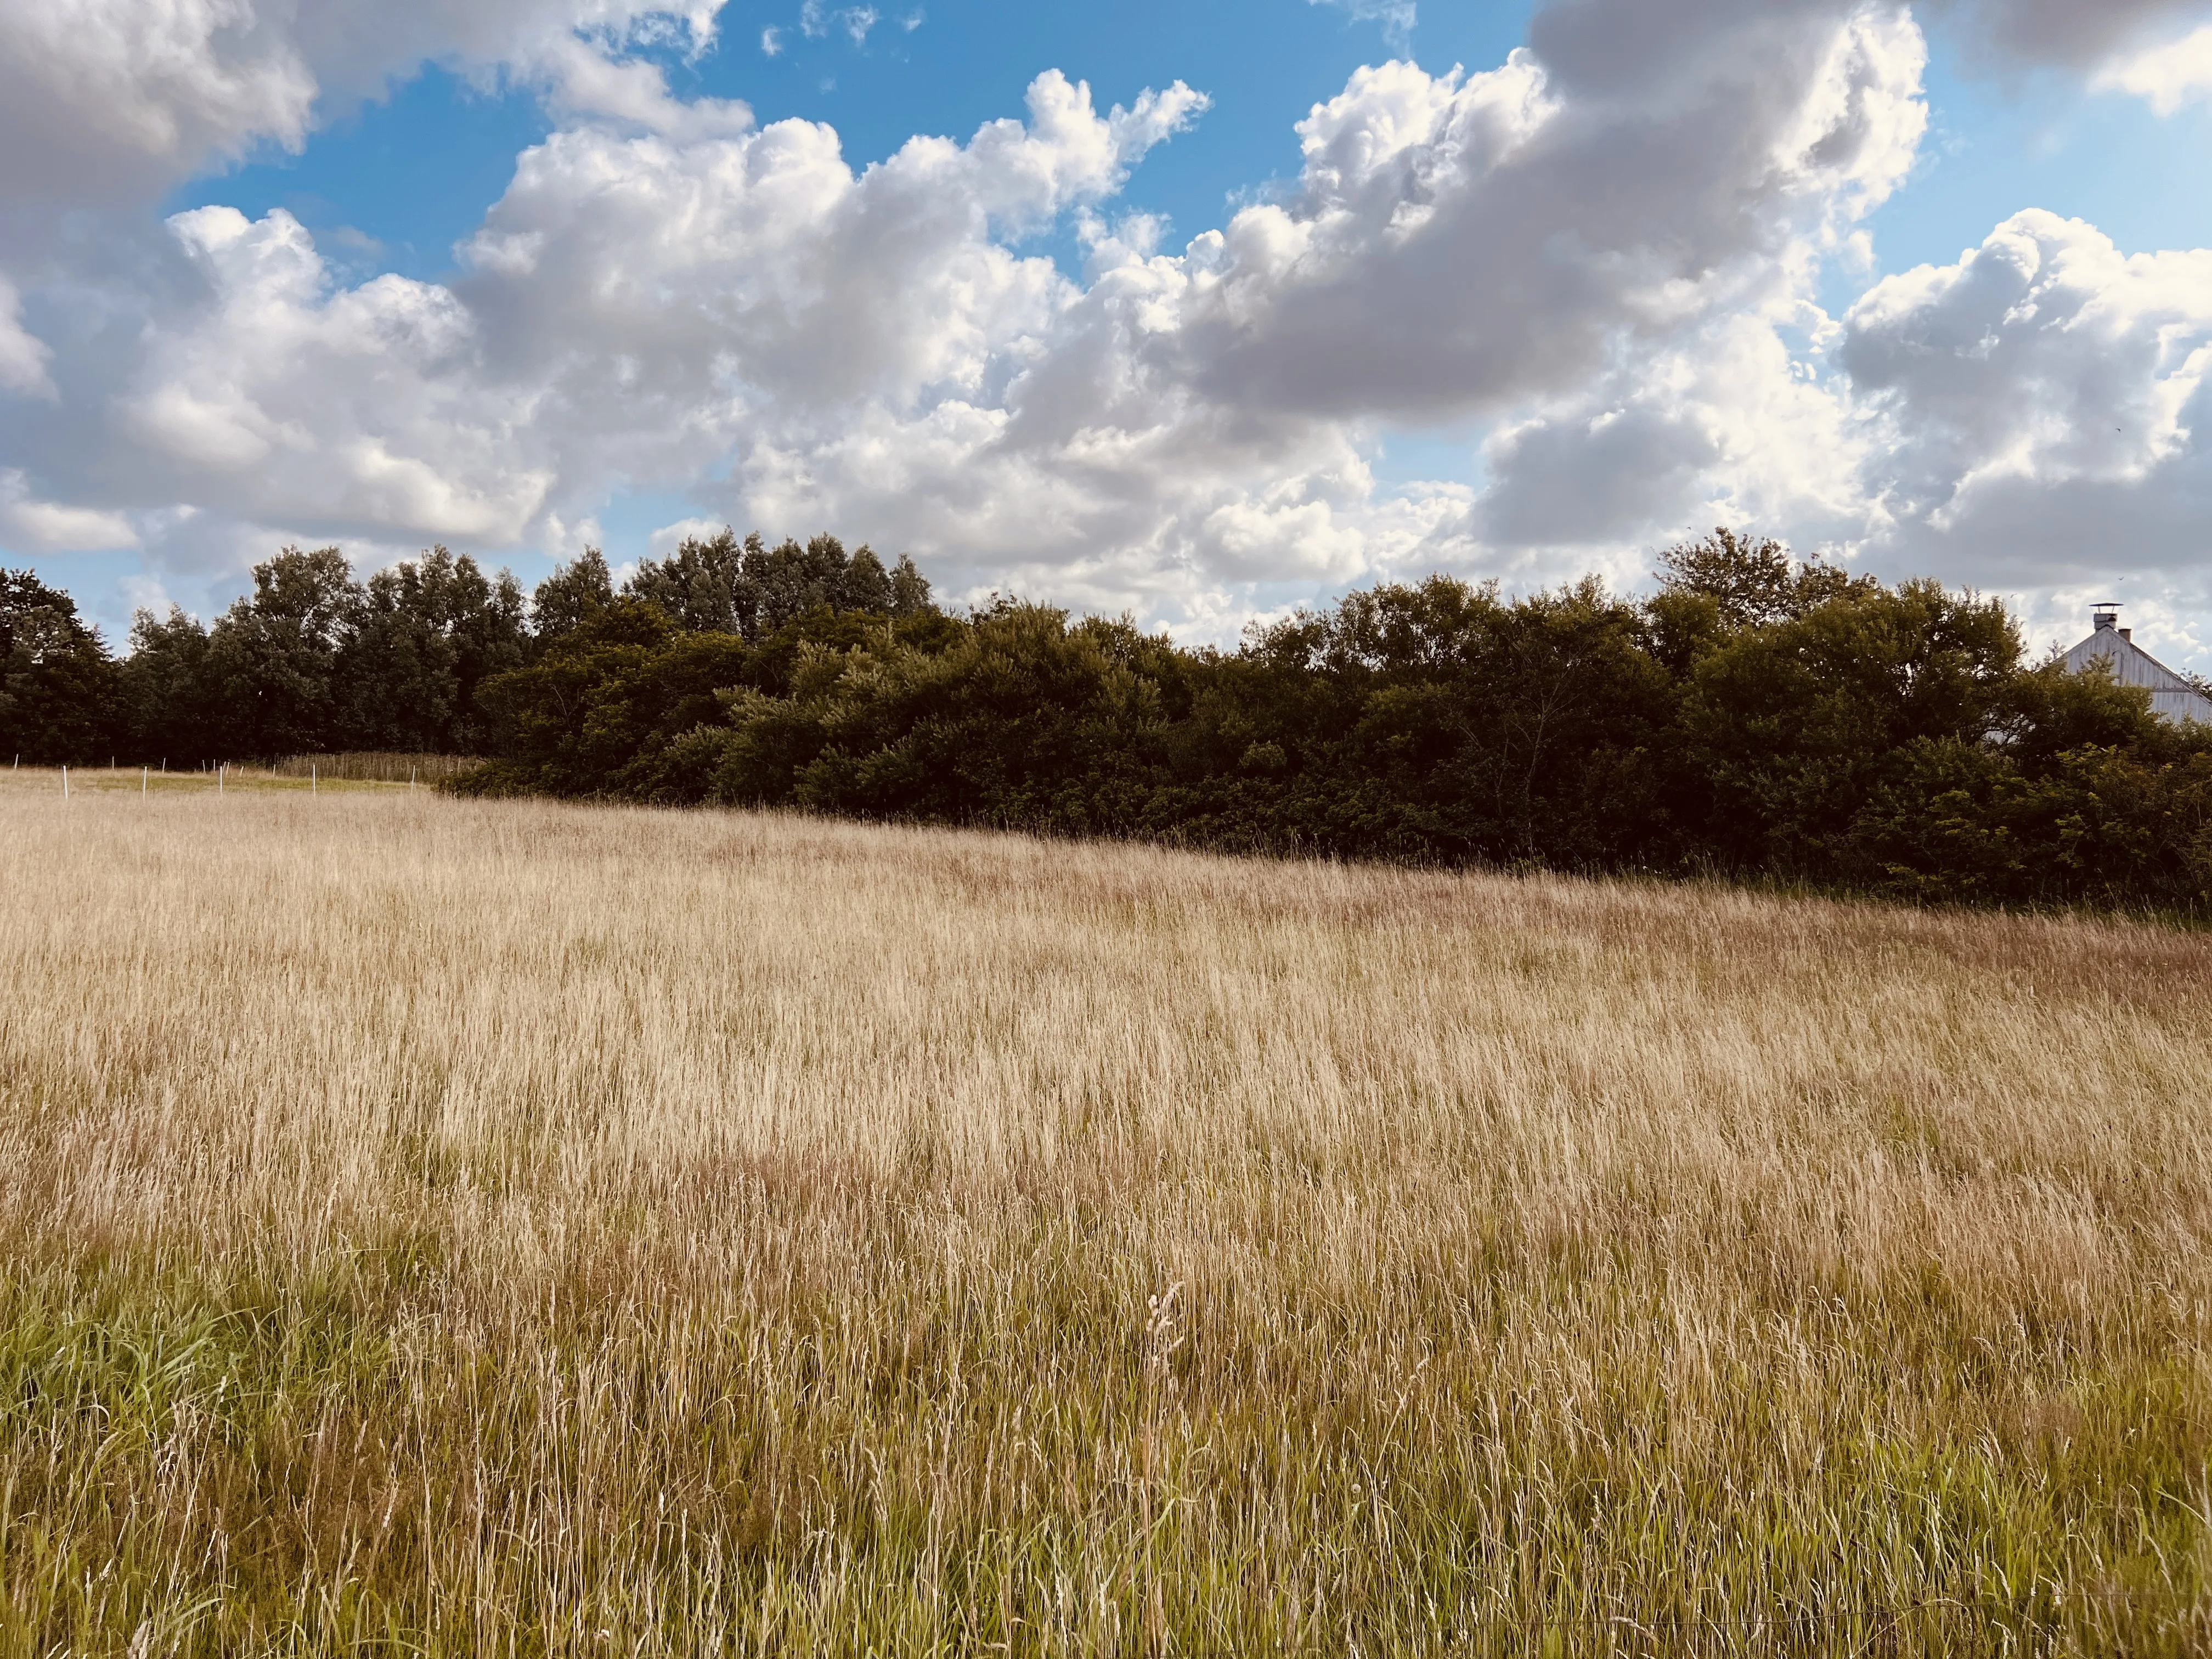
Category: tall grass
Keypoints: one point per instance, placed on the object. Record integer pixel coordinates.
(450, 1228)
(377, 767)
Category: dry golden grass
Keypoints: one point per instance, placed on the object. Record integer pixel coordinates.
(455, 1228)
(357, 766)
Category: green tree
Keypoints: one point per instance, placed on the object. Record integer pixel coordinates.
(1752, 582)
(702, 585)
(574, 594)
(909, 590)
(719, 584)
(171, 701)
(1018, 717)
(275, 656)
(790, 580)
(1792, 725)
(1494, 731)
(597, 712)
(57, 684)
(426, 637)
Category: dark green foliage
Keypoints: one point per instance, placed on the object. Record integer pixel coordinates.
(274, 655)
(720, 585)
(312, 662)
(910, 589)
(702, 586)
(1755, 717)
(427, 636)
(572, 596)
(56, 683)
(622, 687)
(1793, 723)
(790, 581)
(169, 708)
(1013, 718)
(598, 712)
(1450, 725)
(1750, 583)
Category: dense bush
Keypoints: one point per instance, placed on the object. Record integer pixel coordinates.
(57, 684)
(1754, 717)
(310, 661)
(313, 661)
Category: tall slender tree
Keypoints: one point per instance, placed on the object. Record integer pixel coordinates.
(57, 684)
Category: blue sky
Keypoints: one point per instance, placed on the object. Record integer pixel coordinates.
(415, 169)
(530, 280)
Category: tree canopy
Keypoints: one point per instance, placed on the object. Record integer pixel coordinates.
(1755, 715)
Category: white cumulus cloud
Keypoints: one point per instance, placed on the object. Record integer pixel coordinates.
(23, 357)
(1397, 17)
(52, 527)
(1602, 257)
(292, 402)
(2165, 76)
(2043, 406)
(2079, 34)
(107, 99)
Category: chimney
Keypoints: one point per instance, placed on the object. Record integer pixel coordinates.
(2128, 634)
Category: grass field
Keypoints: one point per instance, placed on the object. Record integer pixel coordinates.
(445, 1228)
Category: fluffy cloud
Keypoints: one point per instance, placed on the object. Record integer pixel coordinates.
(52, 527)
(22, 358)
(1596, 243)
(1654, 346)
(2043, 406)
(102, 99)
(710, 291)
(2081, 33)
(647, 295)
(2165, 76)
(1559, 235)
(367, 406)
(1457, 245)
(100, 95)
(1604, 252)
(1397, 17)
(1460, 243)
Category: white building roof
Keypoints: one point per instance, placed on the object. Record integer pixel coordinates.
(2172, 697)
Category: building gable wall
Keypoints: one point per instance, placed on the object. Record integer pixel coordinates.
(2172, 697)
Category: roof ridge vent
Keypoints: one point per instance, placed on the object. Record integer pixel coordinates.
(2106, 614)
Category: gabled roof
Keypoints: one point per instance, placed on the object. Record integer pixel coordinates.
(2172, 697)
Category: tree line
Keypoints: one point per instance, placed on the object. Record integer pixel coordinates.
(1754, 717)
(314, 661)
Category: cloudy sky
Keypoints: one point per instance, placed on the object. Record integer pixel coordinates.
(1200, 311)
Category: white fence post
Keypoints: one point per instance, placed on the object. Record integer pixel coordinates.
(144, 773)
(65, 783)
(315, 778)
